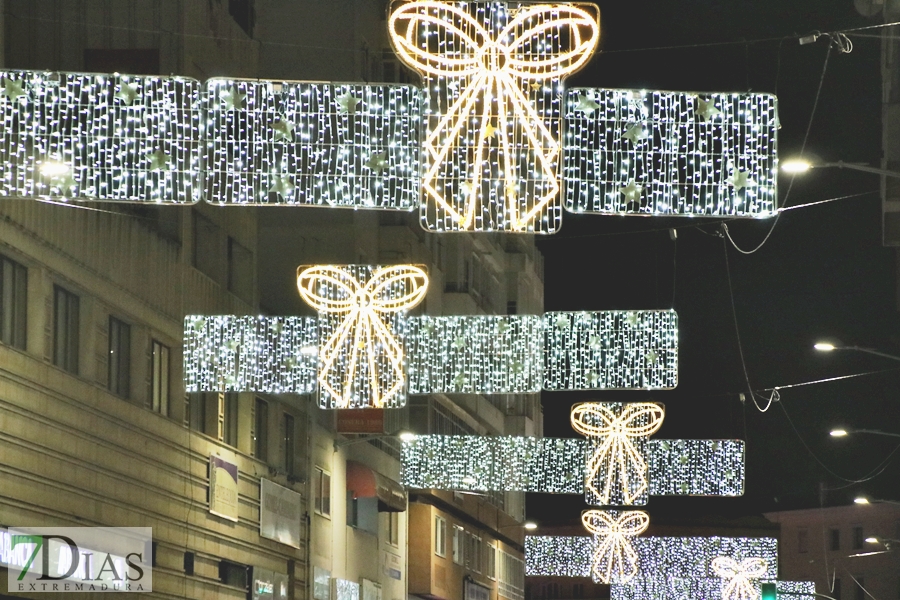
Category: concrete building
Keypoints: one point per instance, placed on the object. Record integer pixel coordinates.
(829, 546)
(95, 427)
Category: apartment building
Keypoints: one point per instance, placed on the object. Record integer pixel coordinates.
(849, 551)
(95, 371)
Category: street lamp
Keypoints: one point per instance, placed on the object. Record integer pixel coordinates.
(886, 542)
(799, 166)
(864, 500)
(828, 347)
(846, 432)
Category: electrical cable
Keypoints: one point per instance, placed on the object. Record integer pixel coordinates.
(859, 584)
(816, 458)
(802, 149)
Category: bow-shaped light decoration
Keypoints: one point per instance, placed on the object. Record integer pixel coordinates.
(615, 559)
(616, 471)
(739, 576)
(361, 357)
(491, 74)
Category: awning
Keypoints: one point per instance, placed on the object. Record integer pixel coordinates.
(363, 482)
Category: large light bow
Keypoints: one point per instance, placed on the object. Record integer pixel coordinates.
(361, 361)
(615, 559)
(616, 472)
(739, 576)
(470, 181)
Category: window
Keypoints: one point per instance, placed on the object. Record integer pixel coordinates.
(228, 418)
(802, 541)
(835, 535)
(858, 538)
(323, 492)
(458, 541)
(490, 569)
(440, 536)
(393, 528)
(65, 330)
(13, 301)
(233, 574)
(577, 591)
(836, 592)
(289, 445)
(261, 429)
(860, 587)
(119, 364)
(159, 378)
(207, 247)
(240, 271)
(511, 577)
(196, 410)
(473, 552)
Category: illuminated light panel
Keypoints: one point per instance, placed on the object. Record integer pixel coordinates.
(361, 329)
(274, 355)
(740, 577)
(631, 152)
(804, 590)
(480, 463)
(558, 556)
(609, 350)
(616, 472)
(491, 76)
(614, 559)
(661, 560)
(557, 465)
(695, 467)
(75, 136)
(475, 354)
(298, 143)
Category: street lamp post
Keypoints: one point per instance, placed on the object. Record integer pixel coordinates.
(827, 347)
(846, 432)
(799, 166)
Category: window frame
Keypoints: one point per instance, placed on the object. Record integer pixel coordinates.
(118, 364)
(229, 408)
(834, 539)
(66, 353)
(858, 537)
(260, 429)
(440, 536)
(322, 483)
(457, 545)
(13, 303)
(160, 377)
(289, 433)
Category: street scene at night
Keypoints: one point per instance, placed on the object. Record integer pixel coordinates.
(450, 300)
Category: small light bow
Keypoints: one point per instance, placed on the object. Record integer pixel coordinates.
(616, 472)
(615, 559)
(361, 361)
(739, 576)
(493, 153)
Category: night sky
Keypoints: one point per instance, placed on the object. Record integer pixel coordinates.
(822, 273)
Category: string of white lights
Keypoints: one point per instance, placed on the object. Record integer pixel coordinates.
(695, 467)
(491, 74)
(479, 463)
(558, 465)
(475, 354)
(120, 138)
(671, 153)
(226, 353)
(300, 143)
(611, 350)
(660, 559)
(700, 588)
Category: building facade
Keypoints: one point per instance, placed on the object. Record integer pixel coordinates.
(95, 426)
(846, 550)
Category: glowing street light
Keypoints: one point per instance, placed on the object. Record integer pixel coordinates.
(838, 433)
(846, 432)
(798, 166)
(829, 347)
(530, 525)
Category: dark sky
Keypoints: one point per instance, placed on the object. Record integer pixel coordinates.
(823, 272)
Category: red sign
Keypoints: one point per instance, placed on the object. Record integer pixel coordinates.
(360, 420)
